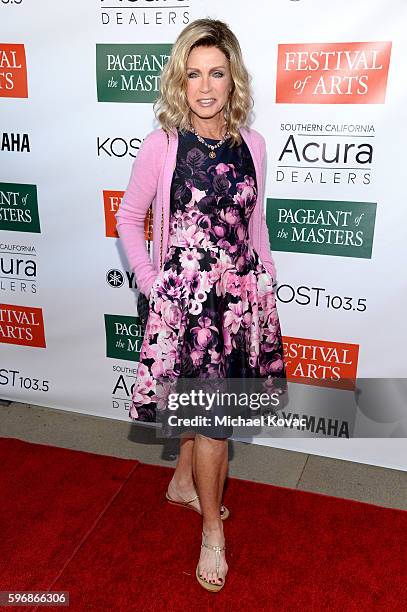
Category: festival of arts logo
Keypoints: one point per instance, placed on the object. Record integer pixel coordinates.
(23, 325)
(332, 73)
(321, 362)
(111, 202)
(130, 72)
(13, 71)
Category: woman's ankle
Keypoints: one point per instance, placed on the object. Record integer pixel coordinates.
(212, 526)
(183, 481)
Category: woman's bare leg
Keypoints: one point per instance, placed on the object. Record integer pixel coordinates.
(208, 463)
(182, 486)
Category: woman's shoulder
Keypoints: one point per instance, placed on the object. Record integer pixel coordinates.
(256, 138)
(156, 137)
(153, 148)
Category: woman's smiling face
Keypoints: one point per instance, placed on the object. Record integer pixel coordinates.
(208, 81)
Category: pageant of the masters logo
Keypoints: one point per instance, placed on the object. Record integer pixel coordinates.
(124, 336)
(333, 73)
(321, 226)
(19, 208)
(130, 72)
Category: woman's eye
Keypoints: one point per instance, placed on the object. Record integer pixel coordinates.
(217, 74)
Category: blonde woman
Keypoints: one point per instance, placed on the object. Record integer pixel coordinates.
(212, 309)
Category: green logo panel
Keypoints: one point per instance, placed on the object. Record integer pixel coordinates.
(19, 208)
(130, 72)
(324, 227)
(124, 336)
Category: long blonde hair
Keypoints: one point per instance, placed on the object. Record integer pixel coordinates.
(171, 107)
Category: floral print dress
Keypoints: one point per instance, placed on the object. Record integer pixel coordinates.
(213, 311)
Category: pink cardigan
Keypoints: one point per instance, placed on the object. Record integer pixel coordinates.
(150, 181)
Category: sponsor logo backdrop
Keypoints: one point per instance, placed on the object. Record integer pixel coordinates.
(77, 85)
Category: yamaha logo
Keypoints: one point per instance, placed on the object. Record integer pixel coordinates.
(115, 278)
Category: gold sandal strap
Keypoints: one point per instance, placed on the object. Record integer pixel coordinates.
(191, 500)
(214, 547)
(217, 548)
(184, 500)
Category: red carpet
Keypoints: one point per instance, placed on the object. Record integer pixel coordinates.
(99, 527)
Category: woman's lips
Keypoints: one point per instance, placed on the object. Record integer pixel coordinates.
(208, 102)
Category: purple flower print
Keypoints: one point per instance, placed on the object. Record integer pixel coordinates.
(220, 184)
(213, 301)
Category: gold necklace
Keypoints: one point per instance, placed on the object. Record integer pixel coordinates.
(211, 153)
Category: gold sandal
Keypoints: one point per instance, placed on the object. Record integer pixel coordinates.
(185, 504)
(209, 586)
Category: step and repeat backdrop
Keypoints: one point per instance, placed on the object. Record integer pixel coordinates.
(77, 84)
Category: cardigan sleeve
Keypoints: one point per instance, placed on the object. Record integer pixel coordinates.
(130, 216)
(265, 250)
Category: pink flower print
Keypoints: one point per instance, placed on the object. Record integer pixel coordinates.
(157, 368)
(225, 244)
(241, 262)
(221, 168)
(154, 323)
(144, 384)
(203, 222)
(200, 295)
(265, 284)
(215, 356)
(202, 331)
(197, 194)
(189, 261)
(245, 192)
(224, 262)
(241, 233)
(133, 412)
(219, 231)
(233, 283)
(230, 216)
(227, 341)
(192, 236)
(233, 316)
(165, 356)
(143, 375)
(224, 169)
(254, 345)
(171, 314)
(197, 357)
(205, 285)
(270, 338)
(170, 287)
(164, 389)
(248, 182)
(247, 319)
(195, 307)
(277, 365)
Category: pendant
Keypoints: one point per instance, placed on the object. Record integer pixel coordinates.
(212, 154)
